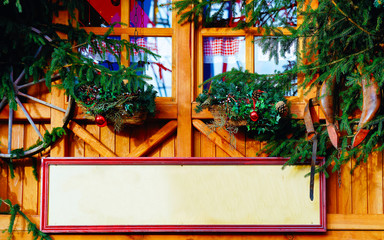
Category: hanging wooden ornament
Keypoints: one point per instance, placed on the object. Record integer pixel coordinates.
(100, 121)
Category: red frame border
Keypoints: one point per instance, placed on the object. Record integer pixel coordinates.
(173, 228)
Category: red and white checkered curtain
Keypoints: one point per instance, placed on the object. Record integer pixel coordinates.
(91, 53)
(222, 46)
(142, 42)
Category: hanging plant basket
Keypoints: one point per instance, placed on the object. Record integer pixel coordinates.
(220, 116)
(129, 107)
(240, 102)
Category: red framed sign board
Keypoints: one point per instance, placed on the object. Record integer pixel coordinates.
(94, 195)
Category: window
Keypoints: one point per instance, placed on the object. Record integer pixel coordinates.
(146, 22)
(221, 48)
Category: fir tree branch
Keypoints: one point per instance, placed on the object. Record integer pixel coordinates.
(349, 19)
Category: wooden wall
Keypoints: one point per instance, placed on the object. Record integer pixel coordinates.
(354, 202)
(355, 207)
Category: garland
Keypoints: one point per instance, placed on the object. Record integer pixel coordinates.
(340, 40)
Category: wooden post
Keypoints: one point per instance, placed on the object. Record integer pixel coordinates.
(184, 89)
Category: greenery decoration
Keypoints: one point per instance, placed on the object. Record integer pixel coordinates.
(239, 93)
(32, 228)
(337, 39)
(29, 25)
(130, 105)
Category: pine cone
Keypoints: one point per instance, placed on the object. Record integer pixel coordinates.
(281, 108)
(256, 94)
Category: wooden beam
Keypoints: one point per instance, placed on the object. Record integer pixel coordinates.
(91, 140)
(344, 222)
(355, 221)
(35, 110)
(183, 64)
(216, 138)
(154, 140)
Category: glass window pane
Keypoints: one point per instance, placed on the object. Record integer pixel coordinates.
(221, 54)
(271, 14)
(150, 13)
(109, 60)
(160, 70)
(100, 13)
(265, 65)
(226, 14)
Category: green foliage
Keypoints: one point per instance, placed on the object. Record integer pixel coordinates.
(32, 228)
(236, 92)
(24, 32)
(336, 37)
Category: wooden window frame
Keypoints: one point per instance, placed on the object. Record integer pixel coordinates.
(126, 32)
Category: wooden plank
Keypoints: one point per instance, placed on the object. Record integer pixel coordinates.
(355, 221)
(15, 185)
(196, 143)
(3, 166)
(207, 147)
(77, 145)
(375, 183)
(107, 137)
(360, 189)
(252, 146)
(184, 89)
(214, 137)
(138, 136)
(332, 185)
(332, 235)
(91, 140)
(151, 130)
(344, 192)
(35, 110)
(94, 130)
(339, 222)
(168, 147)
(164, 110)
(297, 109)
(224, 135)
(20, 223)
(58, 99)
(30, 185)
(123, 142)
(155, 139)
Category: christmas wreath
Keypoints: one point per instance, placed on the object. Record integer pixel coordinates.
(244, 99)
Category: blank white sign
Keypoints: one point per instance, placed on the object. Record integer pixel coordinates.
(154, 195)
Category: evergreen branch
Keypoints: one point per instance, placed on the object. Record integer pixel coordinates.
(14, 210)
(349, 19)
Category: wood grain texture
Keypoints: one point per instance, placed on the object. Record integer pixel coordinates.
(30, 184)
(91, 140)
(154, 140)
(183, 89)
(15, 185)
(123, 142)
(77, 145)
(344, 192)
(375, 183)
(360, 189)
(3, 167)
(216, 138)
(107, 138)
(332, 185)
